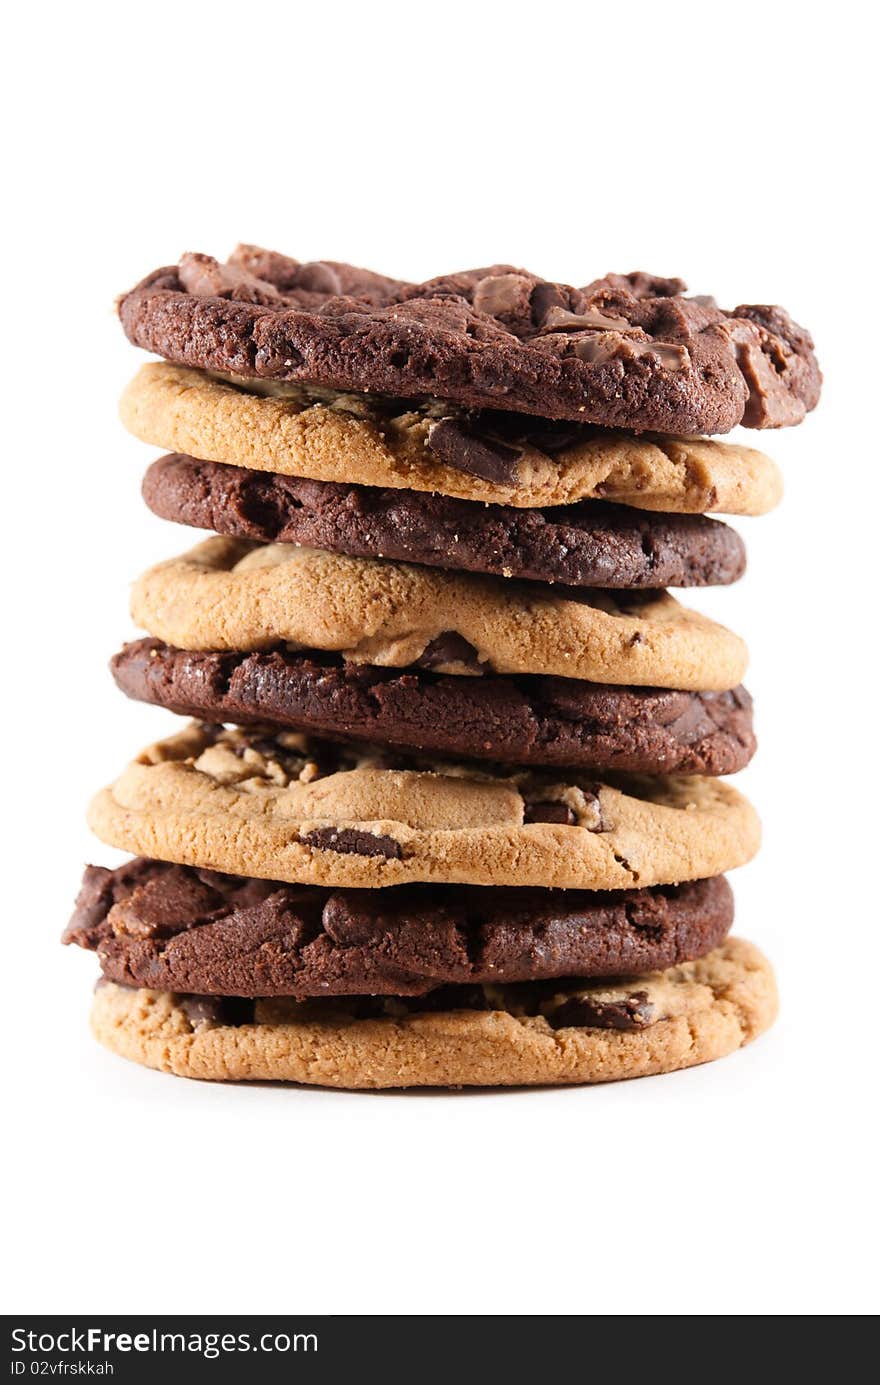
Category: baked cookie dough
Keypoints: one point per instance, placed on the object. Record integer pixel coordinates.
(296, 431)
(593, 544)
(522, 721)
(519, 1035)
(626, 351)
(175, 928)
(228, 594)
(307, 811)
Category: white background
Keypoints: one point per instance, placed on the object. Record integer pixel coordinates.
(726, 144)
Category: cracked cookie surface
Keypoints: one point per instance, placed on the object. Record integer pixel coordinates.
(626, 351)
(351, 439)
(303, 810)
(177, 928)
(518, 1035)
(227, 594)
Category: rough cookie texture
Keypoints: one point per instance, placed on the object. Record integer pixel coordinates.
(526, 720)
(173, 928)
(592, 544)
(626, 351)
(351, 439)
(288, 807)
(516, 1035)
(228, 594)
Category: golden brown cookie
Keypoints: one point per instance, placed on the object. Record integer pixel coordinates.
(230, 594)
(331, 436)
(520, 1036)
(314, 812)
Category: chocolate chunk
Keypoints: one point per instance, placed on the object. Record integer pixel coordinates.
(591, 544)
(503, 295)
(498, 337)
(586, 1012)
(612, 346)
(203, 276)
(545, 297)
(559, 319)
(670, 357)
(481, 456)
(351, 842)
(251, 938)
(557, 722)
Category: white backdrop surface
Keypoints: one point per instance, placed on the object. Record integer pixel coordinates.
(730, 146)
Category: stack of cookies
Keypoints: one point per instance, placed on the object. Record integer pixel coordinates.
(452, 808)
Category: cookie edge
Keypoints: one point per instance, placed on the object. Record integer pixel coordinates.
(450, 1049)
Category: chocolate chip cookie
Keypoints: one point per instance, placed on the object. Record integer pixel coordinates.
(500, 1035)
(228, 594)
(497, 459)
(313, 812)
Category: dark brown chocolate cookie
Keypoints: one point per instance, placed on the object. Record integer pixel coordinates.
(177, 928)
(518, 720)
(627, 351)
(592, 544)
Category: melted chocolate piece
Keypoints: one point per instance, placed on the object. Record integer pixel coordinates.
(584, 1012)
(481, 456)
(350, 842)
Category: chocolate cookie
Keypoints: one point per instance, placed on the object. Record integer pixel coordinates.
(510, 1035)
(174, 928)
(588, 545)
(281, 806)
(628, 351)
(520, 720)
